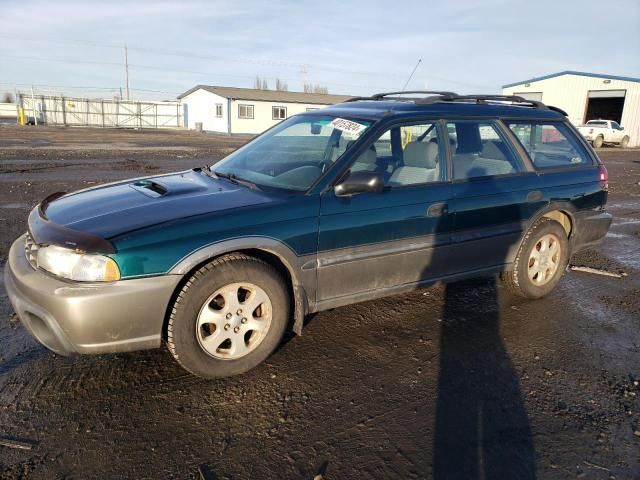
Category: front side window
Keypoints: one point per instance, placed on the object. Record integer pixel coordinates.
(245, 111)
(279, 113)
(218, 110)
(550, 144)
(295, 153)
(405, 155)
(479, 150)
(615, 125)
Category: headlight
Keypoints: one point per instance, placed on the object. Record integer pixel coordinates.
(82, 267)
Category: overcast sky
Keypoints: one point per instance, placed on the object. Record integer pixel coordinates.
(352, 47)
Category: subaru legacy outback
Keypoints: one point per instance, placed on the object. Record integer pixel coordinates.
(368, 198)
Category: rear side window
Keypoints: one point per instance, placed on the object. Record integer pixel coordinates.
(479, 150)
(550, 144)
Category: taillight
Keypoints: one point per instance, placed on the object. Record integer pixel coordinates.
(604, 177)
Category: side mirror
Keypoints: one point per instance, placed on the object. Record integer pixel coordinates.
(621, 128)
(359, 182)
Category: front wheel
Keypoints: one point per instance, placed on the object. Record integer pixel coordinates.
(540, 262)
(229, 316)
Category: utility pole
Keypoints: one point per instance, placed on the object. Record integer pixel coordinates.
(126, 69)
(33, 106)
(412, 72)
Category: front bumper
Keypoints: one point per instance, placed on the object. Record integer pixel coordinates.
(72, 317)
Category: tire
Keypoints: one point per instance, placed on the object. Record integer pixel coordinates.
(519, 281)
(209, 333)
(598, 142)
(624, 143)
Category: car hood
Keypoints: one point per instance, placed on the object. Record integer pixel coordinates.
(111, 210)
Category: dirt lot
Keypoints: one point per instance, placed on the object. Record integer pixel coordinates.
(461, 381)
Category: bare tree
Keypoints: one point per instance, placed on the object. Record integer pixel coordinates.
(311, 88)
(281, 85)
(7, 98)
(260, 83)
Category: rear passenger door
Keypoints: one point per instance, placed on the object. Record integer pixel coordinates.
(494, 194)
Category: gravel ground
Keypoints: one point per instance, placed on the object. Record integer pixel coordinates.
(456, 381)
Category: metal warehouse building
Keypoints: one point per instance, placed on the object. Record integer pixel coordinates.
(587, 96)
(246, 110)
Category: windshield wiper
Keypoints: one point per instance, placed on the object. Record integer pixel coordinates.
(233, 178)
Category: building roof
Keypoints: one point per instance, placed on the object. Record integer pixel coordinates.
(269, 95)
(573, 72)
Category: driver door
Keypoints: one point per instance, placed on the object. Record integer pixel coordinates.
(395, 238)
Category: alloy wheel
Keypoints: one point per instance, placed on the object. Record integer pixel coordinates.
(544, 259)
(234, 321)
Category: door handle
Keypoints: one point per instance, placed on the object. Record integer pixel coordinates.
(437, 210)
(534, 196)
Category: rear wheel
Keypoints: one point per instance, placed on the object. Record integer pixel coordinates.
(597, 143)
(624, 143)
(540, 262)
(229, 317)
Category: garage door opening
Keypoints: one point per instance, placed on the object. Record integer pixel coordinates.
(605, 105)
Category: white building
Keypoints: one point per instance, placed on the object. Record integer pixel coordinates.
(587, 96)
(246, 110)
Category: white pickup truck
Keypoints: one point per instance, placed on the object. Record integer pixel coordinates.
(599, 132)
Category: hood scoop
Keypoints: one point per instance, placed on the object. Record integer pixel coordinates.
(172, 185)
(150, 188)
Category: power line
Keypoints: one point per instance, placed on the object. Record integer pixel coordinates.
(190, 54)
(85, 87)
(167, 69)
(269, 63)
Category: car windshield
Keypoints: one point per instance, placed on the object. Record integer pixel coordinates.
(294, 154)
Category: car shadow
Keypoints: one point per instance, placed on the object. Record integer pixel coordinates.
(481, 427)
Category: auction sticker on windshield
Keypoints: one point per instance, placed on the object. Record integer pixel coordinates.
(348, 126)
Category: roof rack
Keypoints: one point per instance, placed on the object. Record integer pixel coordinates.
(443, 96)
(382, 96)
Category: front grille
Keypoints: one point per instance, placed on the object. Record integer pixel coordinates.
(31, 250)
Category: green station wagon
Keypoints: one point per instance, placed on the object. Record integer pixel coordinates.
(368, 198)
